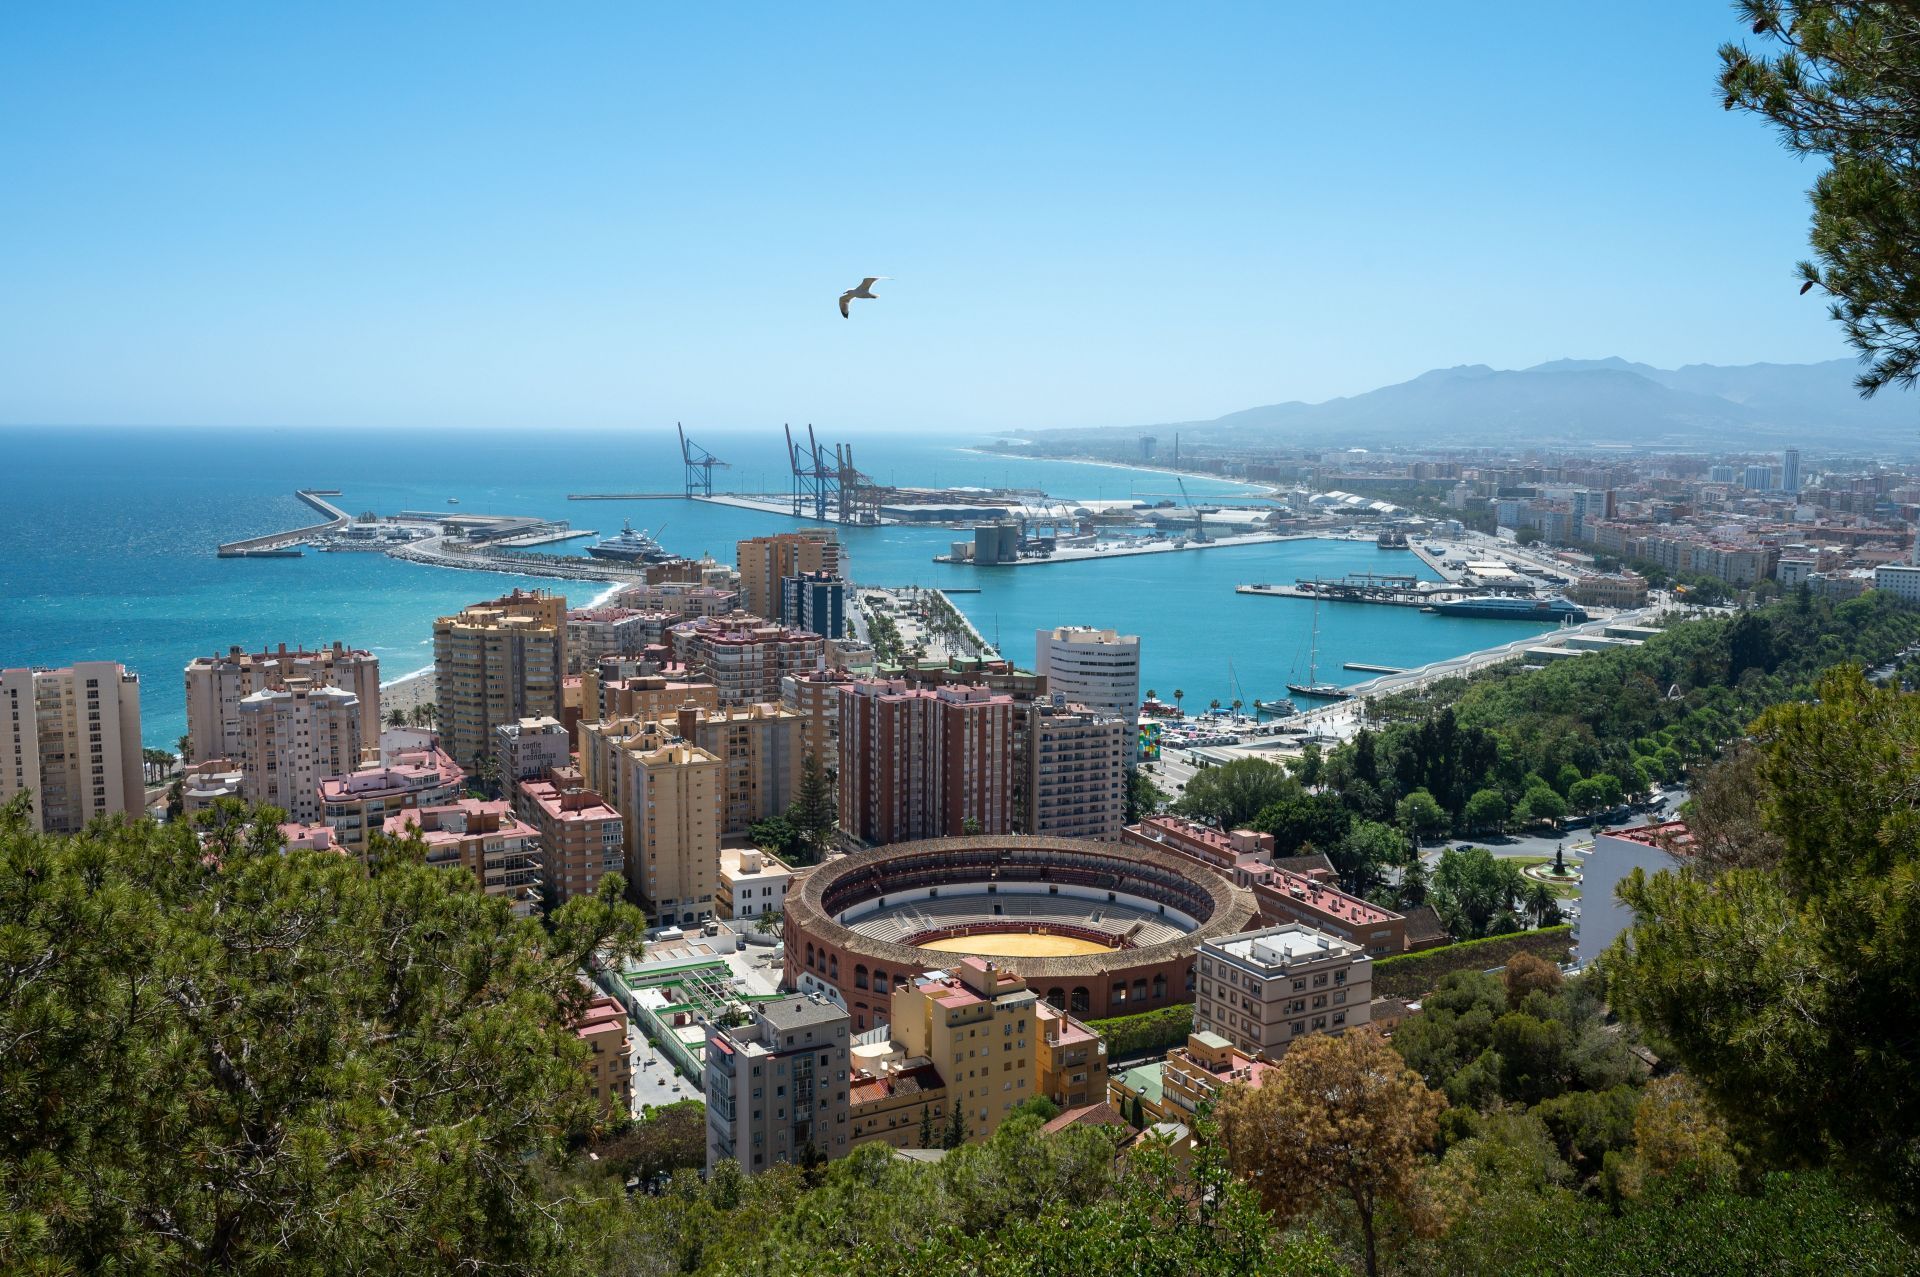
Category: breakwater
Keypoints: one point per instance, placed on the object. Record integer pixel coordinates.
(281, 541)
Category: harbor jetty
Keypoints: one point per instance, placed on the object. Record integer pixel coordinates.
(284, 545)
(1365, 587)
(485, 557)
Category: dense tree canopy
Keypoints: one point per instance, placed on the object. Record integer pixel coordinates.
(236, 1060)
(1841, 82)
(1786, 983)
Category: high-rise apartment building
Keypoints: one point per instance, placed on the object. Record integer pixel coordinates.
(1099, 669)
(776, 1087)
(648, 696)
(1075, 763)
(484, 837)
(668, 793)
(609, 631)
(292, 737)
(766, 561)
(924, 762)
(72, 737)
(760, 747)
(816, 602)
(746, 662)
(1790, 471)
(815, 696)
(495, 663)
(977, 1025)
(603, 1027)
(1264, 990)
(217, 684)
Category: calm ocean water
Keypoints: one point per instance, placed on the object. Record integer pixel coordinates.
(107, 553)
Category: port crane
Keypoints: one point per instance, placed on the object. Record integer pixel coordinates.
(700, 464)
(1199, 520)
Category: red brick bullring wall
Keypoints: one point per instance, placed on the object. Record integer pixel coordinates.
(1117, 982)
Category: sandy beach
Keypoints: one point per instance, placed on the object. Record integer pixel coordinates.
(405, 693)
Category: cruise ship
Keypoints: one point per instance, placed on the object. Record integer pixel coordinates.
(1512, 609)
(630, 546)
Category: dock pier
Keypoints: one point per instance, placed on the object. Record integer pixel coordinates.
(282, 545)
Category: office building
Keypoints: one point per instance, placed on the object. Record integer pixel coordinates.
(924, 762)
(1790, 471)
(72, 737)
(977, 1025)
(1099, 669)
(484, 837)
(1075, 765)
(293, 737)
(668, 793)
(1264, 990)
(1899, 581)
(582, 838)
(776, 1087)
(527, 749)
(766, 561)
(816, 602)
(498, 662)
(217, 684)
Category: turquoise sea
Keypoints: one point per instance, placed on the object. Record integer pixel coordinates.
(107, 552)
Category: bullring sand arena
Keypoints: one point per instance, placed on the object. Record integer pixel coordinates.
(1094, 928)
(1016, 944)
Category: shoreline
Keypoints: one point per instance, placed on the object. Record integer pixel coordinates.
(1264, 491)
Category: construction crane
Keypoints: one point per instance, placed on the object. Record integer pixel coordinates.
(1199, 520)
(700, 464)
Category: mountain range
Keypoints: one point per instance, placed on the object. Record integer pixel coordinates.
(1593, 401)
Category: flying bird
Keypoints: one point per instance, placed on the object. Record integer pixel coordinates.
(864, 290)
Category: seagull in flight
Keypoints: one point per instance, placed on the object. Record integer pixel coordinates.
(864, 290)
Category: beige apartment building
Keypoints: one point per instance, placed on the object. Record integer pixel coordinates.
(217, 684)
(1263, 990)
(72, 737)
(761, 747)
(976, 1025)
(765, 561)
(815, 696)
(1075, 762)
(498, 662)
(668, 793)
(292, 737)
(646, 696)
(484, 837)
(582, 838)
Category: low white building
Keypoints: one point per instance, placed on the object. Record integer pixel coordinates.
(1615, 856)
(751, 882)
(1263, 990)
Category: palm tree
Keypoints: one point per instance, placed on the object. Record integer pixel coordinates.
(1152, 695)
(1237, 703)
(425, 713)
(1540, 903)
(486, 770)
(1214, 705)
(184, 746)
(1177, 695)
(397, 717)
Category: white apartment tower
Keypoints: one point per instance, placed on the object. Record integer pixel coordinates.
(1095, 668)
(292, 738)
(72, 737)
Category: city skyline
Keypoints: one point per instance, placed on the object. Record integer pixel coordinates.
(511, 221)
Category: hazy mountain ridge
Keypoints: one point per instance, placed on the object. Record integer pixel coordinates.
(1610, 400)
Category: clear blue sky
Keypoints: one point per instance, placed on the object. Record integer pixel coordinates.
(589, 215)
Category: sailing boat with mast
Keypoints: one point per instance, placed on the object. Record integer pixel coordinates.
(1313, 686)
